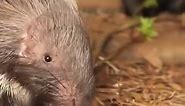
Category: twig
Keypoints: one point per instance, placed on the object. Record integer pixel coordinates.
(116, 70)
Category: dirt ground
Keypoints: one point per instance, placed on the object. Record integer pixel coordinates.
(119, 83)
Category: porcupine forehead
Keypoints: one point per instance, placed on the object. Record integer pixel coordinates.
(16, 14)
(60, 22)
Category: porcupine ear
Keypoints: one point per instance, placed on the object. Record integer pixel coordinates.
(31, 37)
(26, 42)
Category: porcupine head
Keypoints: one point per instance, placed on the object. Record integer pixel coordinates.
(45, 57)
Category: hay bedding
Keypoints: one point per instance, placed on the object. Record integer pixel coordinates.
(122, 84)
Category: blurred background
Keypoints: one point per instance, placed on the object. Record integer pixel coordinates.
(139, 51)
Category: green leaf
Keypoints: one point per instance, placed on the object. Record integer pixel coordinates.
(146, 28)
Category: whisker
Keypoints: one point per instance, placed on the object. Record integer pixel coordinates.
(55, 78)
(48, 83)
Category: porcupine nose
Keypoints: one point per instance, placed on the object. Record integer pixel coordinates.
(68, 94)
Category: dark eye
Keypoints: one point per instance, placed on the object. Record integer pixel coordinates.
(47, 58)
